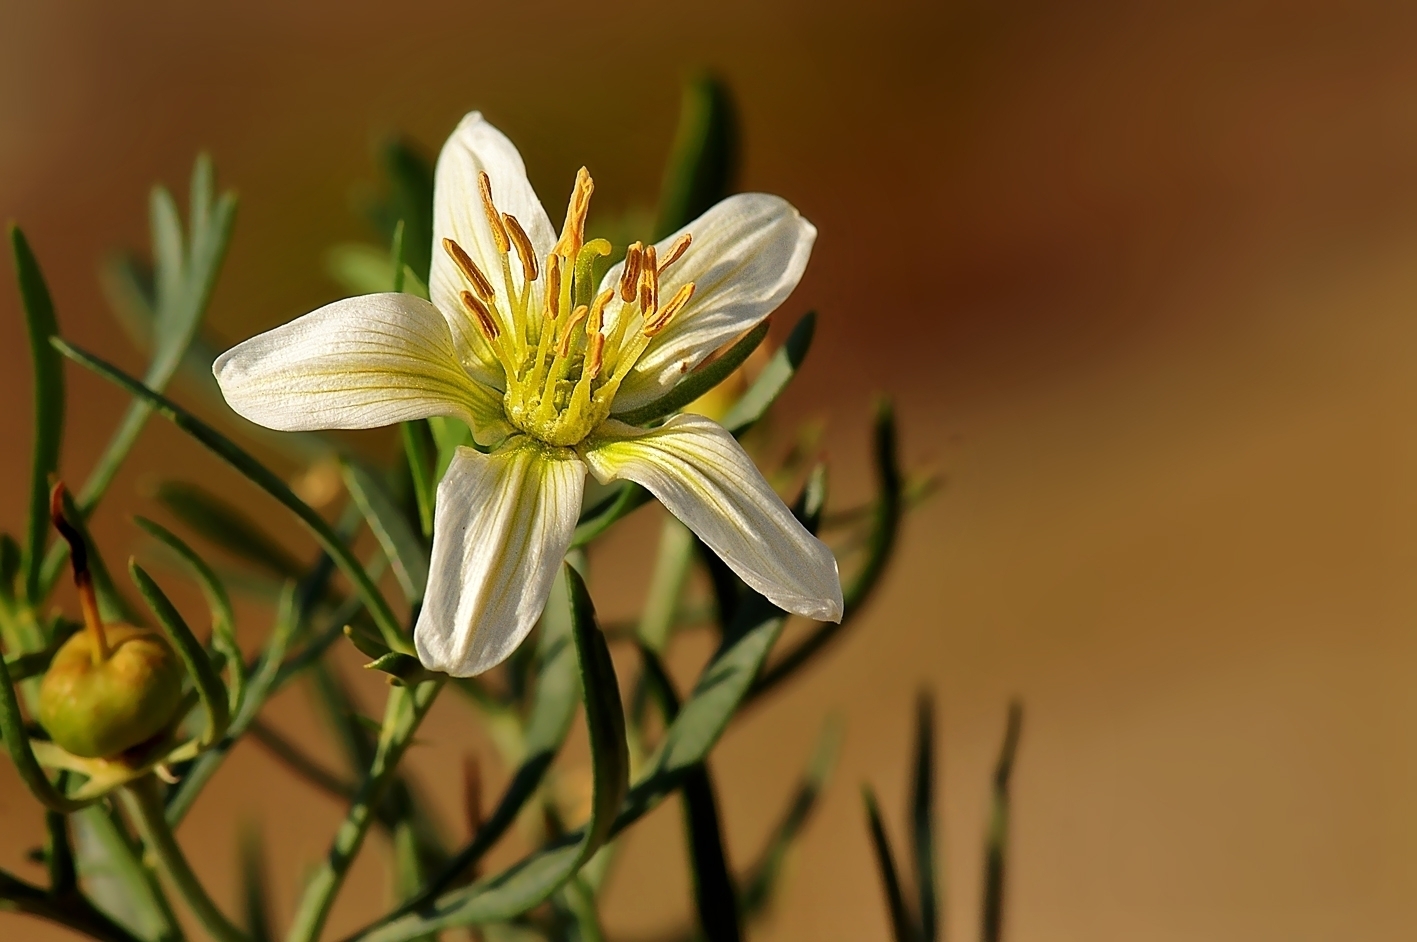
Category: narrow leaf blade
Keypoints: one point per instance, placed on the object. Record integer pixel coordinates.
(48, 367)
(774, 378)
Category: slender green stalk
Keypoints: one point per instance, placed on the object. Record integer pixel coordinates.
(403, 714)
(144, 805)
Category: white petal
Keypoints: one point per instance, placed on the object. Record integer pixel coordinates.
(748, 253)
(704, 477)
(363, 362)
(458, 214)
(503, 526)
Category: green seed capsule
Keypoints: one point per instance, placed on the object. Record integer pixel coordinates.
(98, 707)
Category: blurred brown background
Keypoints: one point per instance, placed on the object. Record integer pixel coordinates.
(1142, 279)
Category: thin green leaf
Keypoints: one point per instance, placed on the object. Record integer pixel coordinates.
(558, 689)
(760, 883)
(922, 819)
(719, 692)
(228, 527)
(626, 499)
(536, 878)
(34, 663)
(902, 929)
(996, 848)
(405, 670)
(391, 528)
(58, 850)
(289, 614)
(48, 431)
(11, 562)
(405, 710)
(184, 275)
(223, 618)
(396, 257)
(879, 549)
(714, 894)
(366, 269)
(774, 378)
(263, 478)
(700, 381)
(189, 649)
(255, 893)
(17, 743)
(421, 453)
(704, 158)
(579, 898)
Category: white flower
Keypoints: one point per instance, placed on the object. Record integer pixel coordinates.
(538, 361)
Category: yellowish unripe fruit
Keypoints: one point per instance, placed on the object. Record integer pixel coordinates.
(98, 704)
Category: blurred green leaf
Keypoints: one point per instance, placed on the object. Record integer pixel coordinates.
(762, 878)
(185, 274)
(533, 880)
(701, 380)
(902, 929)
(228, 527)
(367, 269)
(58, 850)
(391, 528)
(34, 663)
(223, 618)
(714, 894)
(878, 553)
(754, 403)
(704, 157)
(922, 819)
(48, 432)
(71, 911)
(113, 875)
(405, 670)
(263, 478)
(996, 848)
(409, 199)
(189, 649)
(404, 712)
(255, 893)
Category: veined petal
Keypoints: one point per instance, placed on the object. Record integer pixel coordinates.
(704, 477)
(748, 253)
(363, 362)
(503, 526)
(458, 214)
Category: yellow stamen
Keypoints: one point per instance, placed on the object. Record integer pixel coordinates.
(469, 268)
(494, 218)
(676, 251)
(630, 277)
(578, 315)
(479, 312)
(524, 250)
(675, 305)
(595, 357)
(553, 286)
(573, 231)
(597, 312)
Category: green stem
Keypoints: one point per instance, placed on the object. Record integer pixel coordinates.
(402, 715)
(144, 805)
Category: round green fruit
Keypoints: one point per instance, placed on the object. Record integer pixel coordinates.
(98, 709)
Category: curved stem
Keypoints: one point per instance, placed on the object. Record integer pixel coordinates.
(145, 806)
(404, 712)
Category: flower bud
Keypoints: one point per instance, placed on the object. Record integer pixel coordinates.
(109, 687)
(98, 707)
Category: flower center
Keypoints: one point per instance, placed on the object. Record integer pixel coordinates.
(563, 349)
